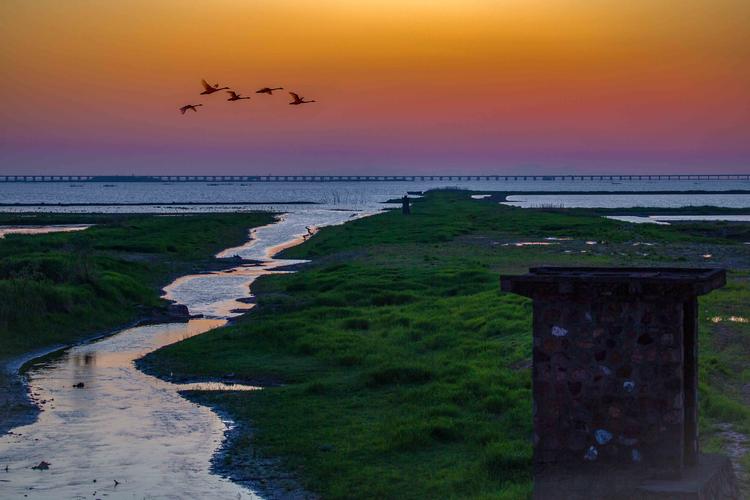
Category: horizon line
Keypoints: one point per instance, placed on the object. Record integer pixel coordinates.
(490, 174)
(364, 177)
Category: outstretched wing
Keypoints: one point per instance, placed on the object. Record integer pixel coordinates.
(295, 96)
(195, 110)
(183, 109)
(233, 94)
(206, 85)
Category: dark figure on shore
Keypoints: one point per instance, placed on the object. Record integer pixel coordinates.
(405, 208)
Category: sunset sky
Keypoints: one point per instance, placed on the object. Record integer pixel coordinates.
(403, 86)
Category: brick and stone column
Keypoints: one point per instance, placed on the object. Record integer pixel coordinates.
(615, 366)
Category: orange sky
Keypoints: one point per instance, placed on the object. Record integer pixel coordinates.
(403, 86)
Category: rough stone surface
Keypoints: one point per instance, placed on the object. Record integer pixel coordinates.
(610, 389)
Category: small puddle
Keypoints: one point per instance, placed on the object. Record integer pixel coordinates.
(664, 220)
(59, 228)
(701, 218)
(634, 219)
(216, 386)
(731, 319)
(529, 244)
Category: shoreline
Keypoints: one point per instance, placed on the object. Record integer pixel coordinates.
(278, 485)
(16, 399)
(18, 391)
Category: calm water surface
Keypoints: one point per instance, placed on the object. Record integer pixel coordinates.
(666, 219)
(125, 425)
(562, 200)
(345, 195)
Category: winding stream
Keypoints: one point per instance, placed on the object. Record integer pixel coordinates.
(125, 434)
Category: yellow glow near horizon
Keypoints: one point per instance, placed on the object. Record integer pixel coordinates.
(551, 74)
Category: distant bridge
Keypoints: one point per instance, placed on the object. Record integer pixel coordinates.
(365, 178)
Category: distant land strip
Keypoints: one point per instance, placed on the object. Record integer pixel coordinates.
(505, 194)
(502, 196)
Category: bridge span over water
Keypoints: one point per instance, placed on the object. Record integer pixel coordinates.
(365, 178)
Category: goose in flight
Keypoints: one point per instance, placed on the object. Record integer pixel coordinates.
(235, 96)
(208, 89)
(268, 90)
(187, 107)
(297, 99)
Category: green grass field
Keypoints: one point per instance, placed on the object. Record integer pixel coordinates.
(406, 372)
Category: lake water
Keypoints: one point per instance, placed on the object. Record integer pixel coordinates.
(343, 195)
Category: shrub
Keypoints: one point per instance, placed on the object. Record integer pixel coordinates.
(392, 299)
(356, 324)
(507, 459)
(407, 374)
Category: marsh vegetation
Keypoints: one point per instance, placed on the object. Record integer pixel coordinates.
(406, 372)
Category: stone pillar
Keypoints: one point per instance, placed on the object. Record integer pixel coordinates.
(615, 366)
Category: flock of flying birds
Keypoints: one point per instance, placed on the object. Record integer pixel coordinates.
(234, 96)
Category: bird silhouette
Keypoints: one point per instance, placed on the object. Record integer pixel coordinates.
(208, 89)
(298, 100)
(235, 96)
(187, 107)
(268, 90)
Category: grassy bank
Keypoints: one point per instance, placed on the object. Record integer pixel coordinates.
(407, 371)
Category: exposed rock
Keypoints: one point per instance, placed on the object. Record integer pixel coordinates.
(178, 311)
(240, 310)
